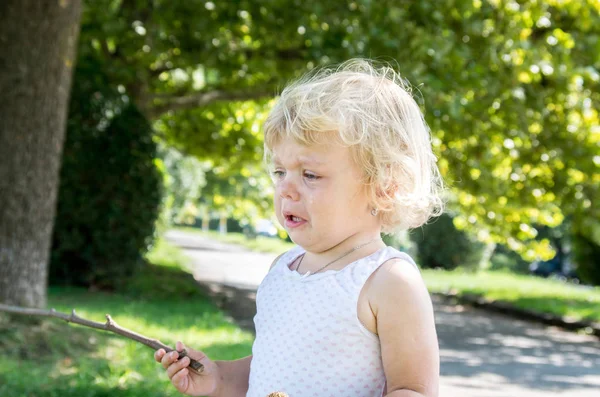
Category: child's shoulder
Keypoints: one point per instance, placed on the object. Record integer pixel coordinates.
(401, 268)
(398, 281)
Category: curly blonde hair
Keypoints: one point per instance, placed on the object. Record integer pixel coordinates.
(371, 110)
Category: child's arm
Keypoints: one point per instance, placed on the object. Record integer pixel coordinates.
(406, 329)
(234, 377)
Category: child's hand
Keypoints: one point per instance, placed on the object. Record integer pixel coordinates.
(185, 379)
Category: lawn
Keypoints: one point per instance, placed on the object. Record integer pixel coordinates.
(57, 359)
(527, 292)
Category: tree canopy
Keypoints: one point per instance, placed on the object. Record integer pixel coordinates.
(510, 89)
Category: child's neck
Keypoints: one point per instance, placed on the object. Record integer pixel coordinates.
(338, 256)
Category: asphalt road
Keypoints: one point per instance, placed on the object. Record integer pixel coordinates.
(482, 354)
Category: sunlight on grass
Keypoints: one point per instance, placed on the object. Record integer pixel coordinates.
(528, 292)
(166, 255)
(77, 361)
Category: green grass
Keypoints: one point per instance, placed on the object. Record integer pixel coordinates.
(53, 358)
(259, 244)
(527, 292)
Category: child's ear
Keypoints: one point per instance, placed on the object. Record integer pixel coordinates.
(391, 187)
(388, 191)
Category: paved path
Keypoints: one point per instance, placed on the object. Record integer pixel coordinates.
(483, 354)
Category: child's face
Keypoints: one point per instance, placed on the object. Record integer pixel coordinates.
(319, 197)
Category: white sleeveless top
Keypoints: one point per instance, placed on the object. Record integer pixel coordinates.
(309, 340)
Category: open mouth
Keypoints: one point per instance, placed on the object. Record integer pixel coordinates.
(292, 221)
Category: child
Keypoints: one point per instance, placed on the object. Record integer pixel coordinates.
(341, 314)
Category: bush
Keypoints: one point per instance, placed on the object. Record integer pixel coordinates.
(402, 242)
(586, 254)
(441, 245)
(110, 189)
(505, 259)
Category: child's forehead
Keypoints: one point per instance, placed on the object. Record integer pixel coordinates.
(321, 154)
(316, 160)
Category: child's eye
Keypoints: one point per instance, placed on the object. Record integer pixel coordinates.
(311, 177)
(277, 174)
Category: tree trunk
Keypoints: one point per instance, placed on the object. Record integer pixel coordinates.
(38, 42)
(205, 219)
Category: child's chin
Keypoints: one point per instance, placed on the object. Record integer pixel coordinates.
(295, 236)
(301, 239)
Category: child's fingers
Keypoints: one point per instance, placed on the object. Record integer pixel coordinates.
(191, 353)
(177, 366)
(169, 358)
(180, 380)
(158, 355)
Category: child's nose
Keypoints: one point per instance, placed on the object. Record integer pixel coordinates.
(287, 189)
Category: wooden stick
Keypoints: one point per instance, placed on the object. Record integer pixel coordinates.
(110, 325)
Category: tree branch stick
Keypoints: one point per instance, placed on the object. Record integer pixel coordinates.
(199, 99)
(110, 325)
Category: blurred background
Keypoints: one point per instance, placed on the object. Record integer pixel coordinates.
(123, 120)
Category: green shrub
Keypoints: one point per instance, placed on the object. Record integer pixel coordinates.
(505, 259)
(586, 255)
(110, 189)
(441, 245)
(402, 242)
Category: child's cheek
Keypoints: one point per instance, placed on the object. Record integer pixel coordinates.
(277, 205)
(311, 198)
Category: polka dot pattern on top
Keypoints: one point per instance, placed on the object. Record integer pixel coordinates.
(309, 340)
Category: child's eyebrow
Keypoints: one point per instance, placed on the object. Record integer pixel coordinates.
(302, 160)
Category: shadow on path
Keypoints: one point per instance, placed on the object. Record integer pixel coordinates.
(505, 351)
(238, 302)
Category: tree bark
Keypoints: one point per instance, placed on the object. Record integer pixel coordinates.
(223, 224)
(38, 40)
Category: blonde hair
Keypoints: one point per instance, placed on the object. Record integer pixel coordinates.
(369, 109)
